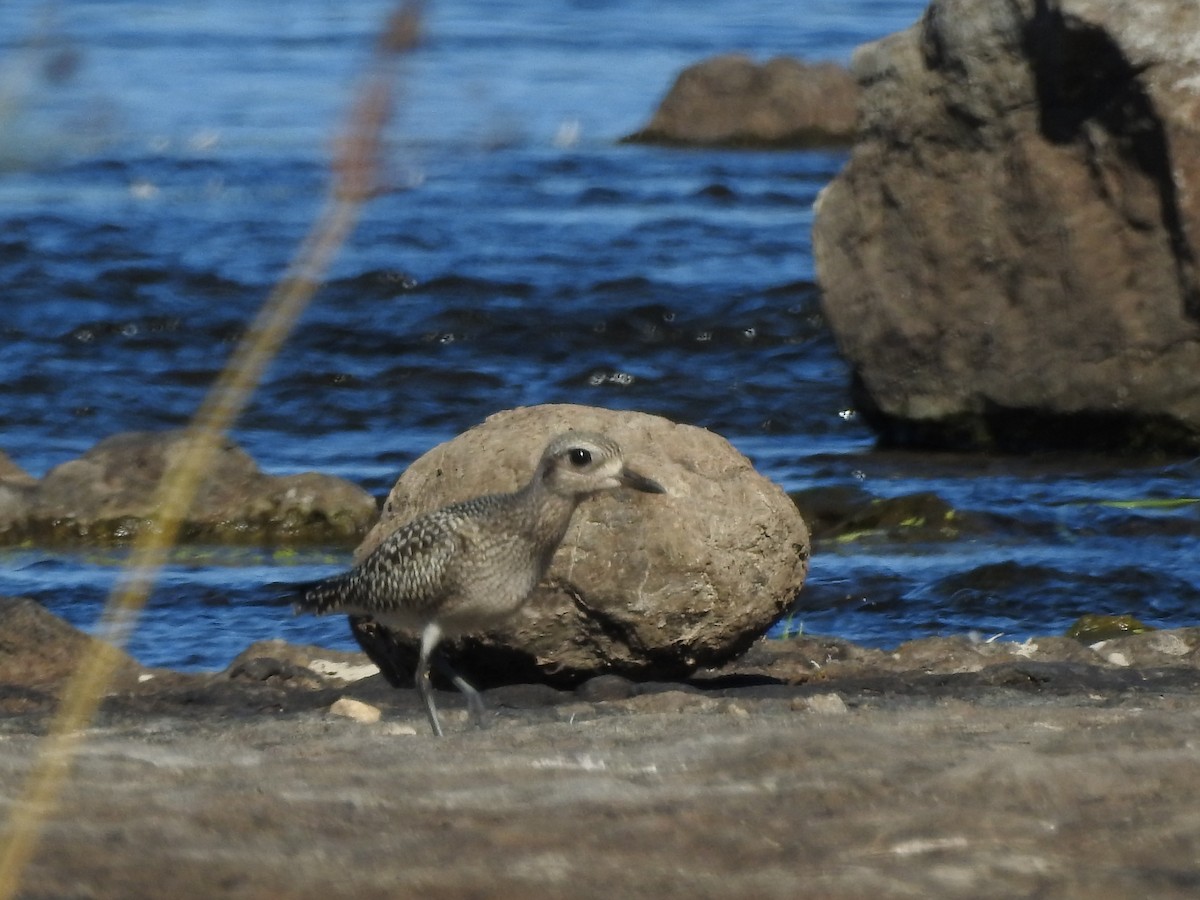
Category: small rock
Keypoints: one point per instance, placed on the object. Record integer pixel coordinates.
(606, 687)
(315, 664)
(269, 670)
(1117, 658)
(356, 710)
(732, 708)
(830, 704)
(343, 671)
(260, 668)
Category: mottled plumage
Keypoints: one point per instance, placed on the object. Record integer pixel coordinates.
(467, 566)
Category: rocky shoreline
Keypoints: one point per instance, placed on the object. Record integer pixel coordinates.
(947, 767)
(108, 496)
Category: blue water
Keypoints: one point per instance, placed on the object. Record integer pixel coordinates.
(159, 163)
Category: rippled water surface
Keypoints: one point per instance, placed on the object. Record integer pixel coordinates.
(159, 163)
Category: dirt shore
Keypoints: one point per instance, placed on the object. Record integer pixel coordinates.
(812, 769)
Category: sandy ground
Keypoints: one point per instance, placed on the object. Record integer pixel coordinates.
(1029, 778)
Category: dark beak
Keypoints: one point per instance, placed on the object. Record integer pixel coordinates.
(632, 479)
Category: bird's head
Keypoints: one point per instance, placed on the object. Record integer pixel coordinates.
(579, 463)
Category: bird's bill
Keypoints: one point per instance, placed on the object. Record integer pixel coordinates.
(639, 482)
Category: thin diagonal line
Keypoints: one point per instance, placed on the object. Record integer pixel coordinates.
(355, 173)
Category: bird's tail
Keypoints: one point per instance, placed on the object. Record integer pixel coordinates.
(320, 598)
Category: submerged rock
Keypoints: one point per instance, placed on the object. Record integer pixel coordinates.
(646, 585)
(109, 494)
(849, 513)
(1009, 260)
(1095, 627)
(732, 101)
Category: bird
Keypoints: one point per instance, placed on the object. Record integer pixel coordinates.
(469, 566)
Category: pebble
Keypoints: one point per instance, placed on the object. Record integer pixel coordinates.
(731, 708)
(347, 672)
(830, 704)
(355, 710)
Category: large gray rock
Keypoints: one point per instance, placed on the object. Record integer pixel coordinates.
(1009, 258)
(645, 585)
(109, 494)
(732, 101)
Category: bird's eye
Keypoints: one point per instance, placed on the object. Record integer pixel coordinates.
(579, 456)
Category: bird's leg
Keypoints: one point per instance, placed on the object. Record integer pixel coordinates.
(475, 705)
(429, 641)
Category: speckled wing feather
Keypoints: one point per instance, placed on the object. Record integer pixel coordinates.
(408, 574)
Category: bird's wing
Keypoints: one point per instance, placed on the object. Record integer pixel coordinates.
(416, 562)
(407, 574)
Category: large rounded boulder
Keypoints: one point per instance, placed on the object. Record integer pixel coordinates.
(645, 585)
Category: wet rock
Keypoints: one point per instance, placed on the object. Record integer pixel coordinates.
(11, 473)
(851, 513)
(41, 651)
(16, 495)
(1009, 258)
(732, 101)
(1150, 649)
(643, 585)
(15, 503)
(816, 659)
(268, 670)
(108, 494)
(263, 660)
(1095, 627)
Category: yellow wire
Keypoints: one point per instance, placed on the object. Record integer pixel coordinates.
(355, 166)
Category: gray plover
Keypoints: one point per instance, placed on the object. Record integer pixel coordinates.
(468, 566)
